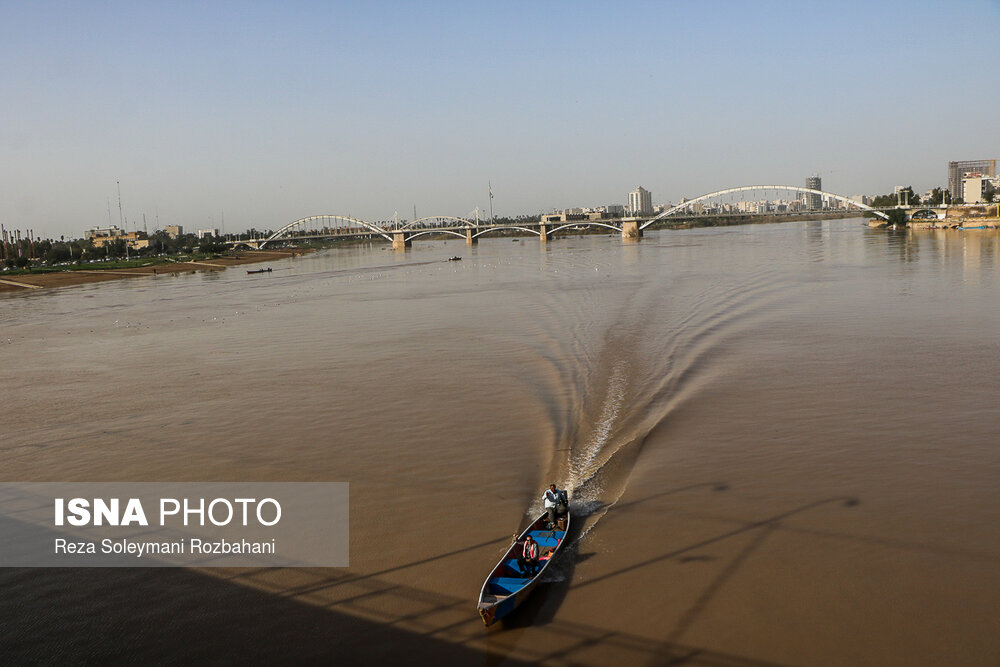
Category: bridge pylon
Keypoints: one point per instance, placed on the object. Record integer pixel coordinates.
(400, 241)
(469, 238)
(543, 234)
(631, 230)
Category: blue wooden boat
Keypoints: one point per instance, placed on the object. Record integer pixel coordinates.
(508, 586)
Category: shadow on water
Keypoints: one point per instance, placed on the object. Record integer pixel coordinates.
(766, 524)
(260, 616)
(178, 616)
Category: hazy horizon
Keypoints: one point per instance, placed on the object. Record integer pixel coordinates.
(265, 114)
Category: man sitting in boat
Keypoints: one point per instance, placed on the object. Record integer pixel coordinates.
(556, 503)
(529, 557)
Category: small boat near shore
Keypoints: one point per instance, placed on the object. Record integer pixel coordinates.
(508, 585)
(267, 270)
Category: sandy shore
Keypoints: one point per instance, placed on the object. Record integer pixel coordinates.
(20, 283)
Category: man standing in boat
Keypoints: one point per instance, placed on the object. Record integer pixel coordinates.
(555, 503)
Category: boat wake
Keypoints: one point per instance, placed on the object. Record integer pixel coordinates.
(589, 459)
(636, 378)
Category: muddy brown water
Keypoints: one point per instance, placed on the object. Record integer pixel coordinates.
(781, 442)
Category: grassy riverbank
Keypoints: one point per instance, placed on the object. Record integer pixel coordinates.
(77, 274)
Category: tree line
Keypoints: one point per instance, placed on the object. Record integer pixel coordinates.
(80, 251)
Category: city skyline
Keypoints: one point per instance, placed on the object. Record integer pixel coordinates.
(258, 116)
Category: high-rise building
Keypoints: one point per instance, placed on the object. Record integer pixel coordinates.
(640, 201)
(957, 170)
(814, 202)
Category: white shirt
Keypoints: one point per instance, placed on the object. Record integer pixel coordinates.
(551, 498)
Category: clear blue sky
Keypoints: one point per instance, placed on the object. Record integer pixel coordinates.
(267, 112)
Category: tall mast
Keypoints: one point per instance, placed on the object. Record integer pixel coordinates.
(121, 216)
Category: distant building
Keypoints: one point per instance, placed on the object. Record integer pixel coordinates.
(615, 210)
(640, 201)
(102, 236)
(173, 231)
(958, 170)
(114, 231)
(972, 188)
(814, 202)
(202, 233)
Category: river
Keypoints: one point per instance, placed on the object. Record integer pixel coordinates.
(782, 443)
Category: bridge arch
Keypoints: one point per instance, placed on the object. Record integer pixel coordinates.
(415, 224)
(410, 237)
(927, 213)
(505, 228)
(301, 221)
(584, 223)
(747, 188)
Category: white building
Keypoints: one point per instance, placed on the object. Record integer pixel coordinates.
(202, 233)
(972, 188)
(640, 201)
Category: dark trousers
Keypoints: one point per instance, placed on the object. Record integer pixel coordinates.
(528, 565)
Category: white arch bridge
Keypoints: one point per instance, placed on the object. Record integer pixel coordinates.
(401, 235)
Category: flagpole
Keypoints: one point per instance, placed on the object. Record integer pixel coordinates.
(491, 201)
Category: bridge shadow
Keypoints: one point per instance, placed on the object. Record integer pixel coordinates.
(310, 615)
(747, 527)
(180, 616)
(295, 615)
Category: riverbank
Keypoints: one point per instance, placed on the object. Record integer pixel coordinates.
(950, 223)
(31, 281)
